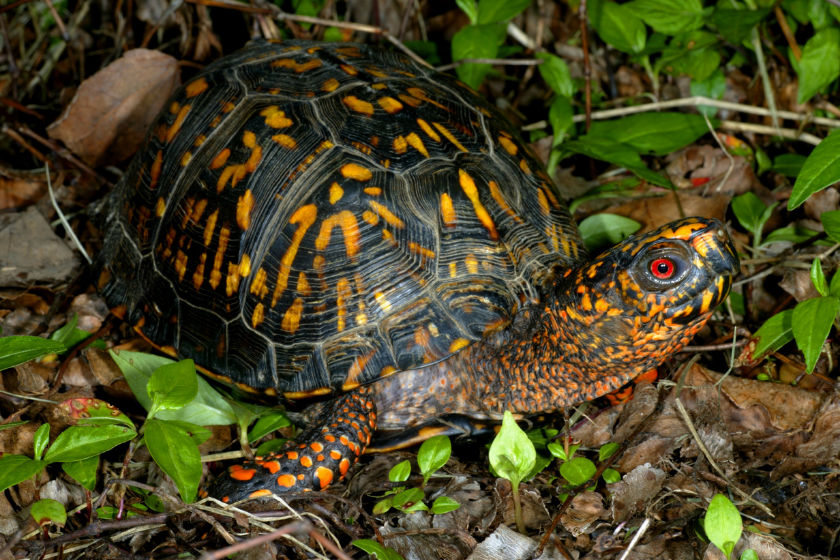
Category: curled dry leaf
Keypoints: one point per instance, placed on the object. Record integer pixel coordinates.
(110, 114)
(634, 490)
(583, 515)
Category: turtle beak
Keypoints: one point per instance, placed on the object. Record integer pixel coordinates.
(715, 247)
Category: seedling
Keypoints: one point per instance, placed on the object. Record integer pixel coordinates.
(723, 524)
(512, 456)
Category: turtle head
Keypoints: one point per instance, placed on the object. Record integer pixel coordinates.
(630, 308)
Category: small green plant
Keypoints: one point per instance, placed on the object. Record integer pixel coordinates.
(375, 549)
(513, 456)
(48, 512)
(433, 454)
(723, 524)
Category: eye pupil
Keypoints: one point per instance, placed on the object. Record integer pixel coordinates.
(662, 268)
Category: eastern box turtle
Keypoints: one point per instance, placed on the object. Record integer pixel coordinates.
(308, 219)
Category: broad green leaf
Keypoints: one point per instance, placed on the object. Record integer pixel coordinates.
(444, 504)
(555, 72)
(611, 476)
(14, 469)
(16, 350)
(831, 224)
(199, 434)
(40, 440)
(70, 336)
(433, 454)
(834, 286)
(470, 8)
(407, 498)
(818, 278)
(669, 16)
(12, 425)
(653, 133)
(712, 87)
(791, 234)
(94, 412)
(723, 524)
(375, 549)
(268, 423)
(49, 511)
(173, 386)
(812, 320)
(512, 454)
(498, 11)
(560, 117)
(789, 165)
(578, 471)
(607, 450)
(77, 443)
(736, 25)
(176, 454)
(773, 334)
(83, 472)
(476, 41)
(763, 161)
(751, 212)
(699, 64)
(427, 50)
(400, 472)
(209, 408)
(617, 25)
(270, 446)
(616, 153)
(601, 231)
(382, 506)
(749, 554)
(820, 63)
(821, 169)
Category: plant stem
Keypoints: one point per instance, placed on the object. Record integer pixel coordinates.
(517, 508)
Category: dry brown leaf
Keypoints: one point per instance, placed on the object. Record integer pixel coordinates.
(586, 510)
(633, 491)
(110, 114)
(19, 193)
(654, 212)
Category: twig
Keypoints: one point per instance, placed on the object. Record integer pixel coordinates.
(93, 529)
(636, 537)
(714, 464)
(58, 22)
(500, 61)
(587, 66)
(765, 77)
(771, 131)
(262, 539)
(466, 537)
(63, 219)
(714, 347)
(12, 542)
(725, 151)
(65, 154)
(12, 6)
(780, 16)
(521, 37)
(13, 134)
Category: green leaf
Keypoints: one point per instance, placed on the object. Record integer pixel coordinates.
(40, 440)
(669, 16)
(751, 212)
(433, 454)
(444, 504)
(209, 408)
(617, 25)
(812, 320)
(497, 11)
(792, 234)
(723, 524)
(616, 153)
(764, 162)
(94, 412)
(16, 350)
(818, 278)
(407, 498)
(653, 133)
(712, 87)
(176, 454)
(77, 443)
(820, 63)
(831, 224)
(198, 433)
(470, 8)
(560, 117)
(789, 165)
(773, 334)
(834, 287)
(601, 231)
(611, 476)
(736, 25)
(375, 549)
(382, 506)
(270, 446)
(49, 511)
(476, 41)
(12, 425)
(400, 472)
(14, 469)
(173, 386)
(699, 64)
(63, 334)
(749, 554)
(821, 169)
(557, 450)
(268, 423)
(578, 471)
(83, 472)
(607, 450)
(512, 454)
(555, 72)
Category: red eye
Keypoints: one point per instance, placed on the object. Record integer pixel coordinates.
(662, 268)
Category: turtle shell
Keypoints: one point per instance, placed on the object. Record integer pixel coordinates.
(308, 217)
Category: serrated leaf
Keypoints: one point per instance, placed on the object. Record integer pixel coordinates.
(773, 334)
(49, 511)
(821, 169)
(209, 408)
(654, 133)
(601, 231)
(176, 454)
(497, 11)
(812, 321)
(77, 443)
(16, 350)
(723, 524)
(14, 469)
(444, 504)
(669, 16)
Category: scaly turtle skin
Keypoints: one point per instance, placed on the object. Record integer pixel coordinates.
(309, 219)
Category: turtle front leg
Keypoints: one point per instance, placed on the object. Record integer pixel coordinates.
(323, 453)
